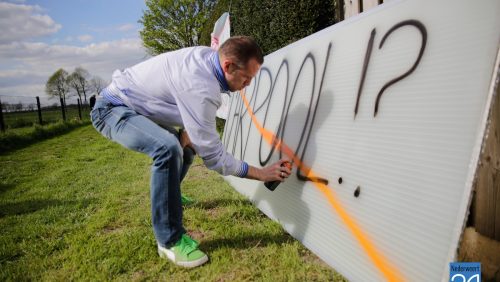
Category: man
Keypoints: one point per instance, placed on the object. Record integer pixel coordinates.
(180, 88)
(92, 101)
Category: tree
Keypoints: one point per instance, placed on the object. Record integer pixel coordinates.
(273, 24)
(5, 107)
(19, 107)
(79, 82)
(173, 24)
(57, 85)
(73, 84)
(97, 84)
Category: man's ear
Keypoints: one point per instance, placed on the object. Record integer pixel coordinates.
(226, 65)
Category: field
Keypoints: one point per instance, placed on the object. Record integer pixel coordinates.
(28, 118)
(76, 207)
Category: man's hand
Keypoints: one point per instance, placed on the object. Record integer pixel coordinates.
(184, 139)
(279, 170)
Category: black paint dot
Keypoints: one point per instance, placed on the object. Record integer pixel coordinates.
(340, 180)
(357, 191)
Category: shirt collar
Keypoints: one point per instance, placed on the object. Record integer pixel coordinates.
(216, 67)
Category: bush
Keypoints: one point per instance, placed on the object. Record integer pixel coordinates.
(274, 24)
(20, 122)
(14, 140)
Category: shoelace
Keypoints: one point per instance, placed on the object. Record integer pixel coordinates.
(187, 244)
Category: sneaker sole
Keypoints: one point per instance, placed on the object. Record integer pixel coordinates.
(189, 264)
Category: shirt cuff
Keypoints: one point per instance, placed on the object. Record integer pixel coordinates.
(242, 171)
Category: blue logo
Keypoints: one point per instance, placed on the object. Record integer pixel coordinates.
(465, 272)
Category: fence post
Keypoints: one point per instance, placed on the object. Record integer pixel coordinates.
(486, 212)
(352, 8)
(2, 124)
(39, 110)
(79, 108)
(368, 4)
(62, 109)
(339, 10)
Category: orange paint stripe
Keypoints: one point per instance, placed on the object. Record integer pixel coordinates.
(389, 272)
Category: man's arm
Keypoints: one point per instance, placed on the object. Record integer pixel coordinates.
(276, 171)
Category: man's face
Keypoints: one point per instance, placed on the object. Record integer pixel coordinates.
(239, 77)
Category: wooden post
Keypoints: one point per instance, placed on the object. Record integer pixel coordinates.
(339, 10)
(79, 108)
(352, 8)
(2, 124)
(486, 212)
(39, 110)
(62, 109)
(367, 4)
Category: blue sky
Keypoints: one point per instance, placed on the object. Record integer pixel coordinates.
(39, 37)
(103, 20)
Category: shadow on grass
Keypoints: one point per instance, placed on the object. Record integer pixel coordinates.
(210, 204)
(31, 206)
(12, 141)
(247, 241)
(6, 187)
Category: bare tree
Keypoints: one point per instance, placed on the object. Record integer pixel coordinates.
(5, 107)
(74, 85)
(79, 82)
(19, 107)
(97, 84)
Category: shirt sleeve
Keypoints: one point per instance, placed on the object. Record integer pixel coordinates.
(197, 109)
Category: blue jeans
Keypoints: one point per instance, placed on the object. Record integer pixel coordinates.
(170, 162)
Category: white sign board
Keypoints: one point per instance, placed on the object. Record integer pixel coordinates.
(385, 114)
(220, 34)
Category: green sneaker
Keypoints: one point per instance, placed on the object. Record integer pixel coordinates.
(186, 201)
(184, 253)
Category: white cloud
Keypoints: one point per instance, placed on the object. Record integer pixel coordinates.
(15, 1)
(24, 22)
(127, 27)
(85, 38)
(26, 66)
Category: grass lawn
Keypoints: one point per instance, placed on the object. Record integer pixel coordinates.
(14, 120)
(76, 207)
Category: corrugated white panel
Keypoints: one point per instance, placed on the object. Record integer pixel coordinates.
(412, 163)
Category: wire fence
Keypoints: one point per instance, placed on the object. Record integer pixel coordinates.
(23, 111)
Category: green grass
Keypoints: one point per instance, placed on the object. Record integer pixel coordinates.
(22, 137)
(76, 207)
(14, 120)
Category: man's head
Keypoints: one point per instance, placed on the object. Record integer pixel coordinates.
(240, 59)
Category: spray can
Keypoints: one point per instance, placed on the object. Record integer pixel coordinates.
(271, 185)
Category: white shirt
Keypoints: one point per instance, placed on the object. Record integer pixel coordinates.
(179, 88)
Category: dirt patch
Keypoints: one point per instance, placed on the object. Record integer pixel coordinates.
(309, 257)
(475, 247)
(197, 235)
(138, 276)
(111, 229)
(213, 213)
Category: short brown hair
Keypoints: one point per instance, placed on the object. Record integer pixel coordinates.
(241, 49)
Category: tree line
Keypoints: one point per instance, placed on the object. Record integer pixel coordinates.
(62, 84)
(173, 24)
